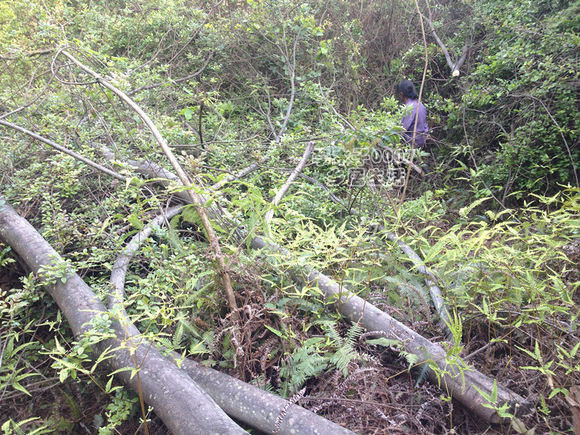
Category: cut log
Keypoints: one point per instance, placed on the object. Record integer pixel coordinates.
(251, 405)
(460, 382)
(171, 391)
(177, 400)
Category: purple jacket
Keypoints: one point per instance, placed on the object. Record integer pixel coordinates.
(409, 124)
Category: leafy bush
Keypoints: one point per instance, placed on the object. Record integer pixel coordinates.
(517, 111)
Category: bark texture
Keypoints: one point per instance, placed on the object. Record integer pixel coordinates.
(460, 384)
(178, 401)
(251, 405)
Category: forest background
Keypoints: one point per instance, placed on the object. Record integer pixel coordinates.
(490, 205)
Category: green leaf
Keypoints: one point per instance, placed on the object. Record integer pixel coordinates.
(135, 221)
(63, 374)
(109, 384)
(19, 387)
(555, 391)
(275, 331)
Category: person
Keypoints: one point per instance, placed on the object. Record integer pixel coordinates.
(408, 94)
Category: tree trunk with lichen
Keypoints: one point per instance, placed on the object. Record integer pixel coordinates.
(177, 400)
(174, 393)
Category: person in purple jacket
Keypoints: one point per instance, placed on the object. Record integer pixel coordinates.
(408, 94)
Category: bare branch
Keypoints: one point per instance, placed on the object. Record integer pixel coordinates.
(454, 66)
(172, 81)
(440, 43)
(282, 191)
(233, 177)
(63, 150)
(461, 61)
(292, 68)
(195, 198)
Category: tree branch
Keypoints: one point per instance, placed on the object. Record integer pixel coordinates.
(195, 198)
(292, 69)
(237, 176)
(454, 66)
(63, 150)
(282, 191)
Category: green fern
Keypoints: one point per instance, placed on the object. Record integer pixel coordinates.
(345, 351)
(306, 362)
(342, 357)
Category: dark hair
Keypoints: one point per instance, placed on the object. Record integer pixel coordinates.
(407, 88)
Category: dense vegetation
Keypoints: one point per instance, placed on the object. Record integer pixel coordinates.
(231, 83)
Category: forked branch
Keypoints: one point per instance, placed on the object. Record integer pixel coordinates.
(282, 191)
(195, 198)
(453, 65)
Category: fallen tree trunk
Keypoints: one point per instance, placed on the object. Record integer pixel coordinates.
(178, 401)
(458, 380)
(461, 383)
(251, 405)
(257, 407)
